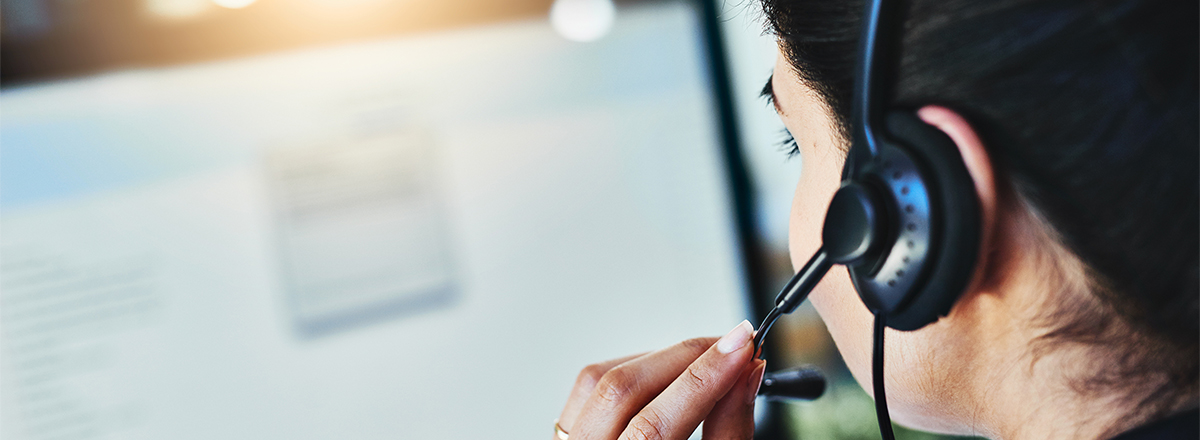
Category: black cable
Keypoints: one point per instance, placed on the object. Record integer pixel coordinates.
(881, 410)
(794, 293)
(763, 329)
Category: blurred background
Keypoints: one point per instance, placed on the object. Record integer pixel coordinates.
(418, 219)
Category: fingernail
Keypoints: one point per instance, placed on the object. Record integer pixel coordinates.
(756, 380)
(736, 338)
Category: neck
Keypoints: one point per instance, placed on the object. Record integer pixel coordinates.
(1034, 399)
(1028, 388)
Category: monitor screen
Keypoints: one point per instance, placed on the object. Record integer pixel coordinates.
(421, 235)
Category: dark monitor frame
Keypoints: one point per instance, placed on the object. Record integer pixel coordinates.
(759, 286)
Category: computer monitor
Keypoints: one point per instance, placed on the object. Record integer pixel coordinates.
(415, 235)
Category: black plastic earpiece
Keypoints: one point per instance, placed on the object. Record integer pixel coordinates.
(933, 228)
(905, 223)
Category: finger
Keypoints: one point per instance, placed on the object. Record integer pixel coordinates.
(676, 412)
(628, 387)
(584, 384)
(732, 418)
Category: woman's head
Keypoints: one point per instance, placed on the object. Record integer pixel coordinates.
(1078, 122)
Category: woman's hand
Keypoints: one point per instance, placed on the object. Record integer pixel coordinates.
(667, 393)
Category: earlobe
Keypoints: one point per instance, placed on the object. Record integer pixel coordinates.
(979, 166)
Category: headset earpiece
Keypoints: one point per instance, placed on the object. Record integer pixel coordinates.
(931, 223)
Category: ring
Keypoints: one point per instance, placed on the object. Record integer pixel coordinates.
(559, 433)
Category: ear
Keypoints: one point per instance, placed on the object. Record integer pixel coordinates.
(979, 165)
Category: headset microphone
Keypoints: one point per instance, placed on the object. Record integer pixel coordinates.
(804, 383)
(905, 221)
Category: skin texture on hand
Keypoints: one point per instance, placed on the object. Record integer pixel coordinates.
(667, 393)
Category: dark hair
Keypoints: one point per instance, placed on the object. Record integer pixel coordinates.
(1090, 109)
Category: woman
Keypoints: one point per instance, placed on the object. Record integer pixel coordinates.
(1077, 122)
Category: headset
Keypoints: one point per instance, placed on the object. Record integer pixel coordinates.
(905, 221)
